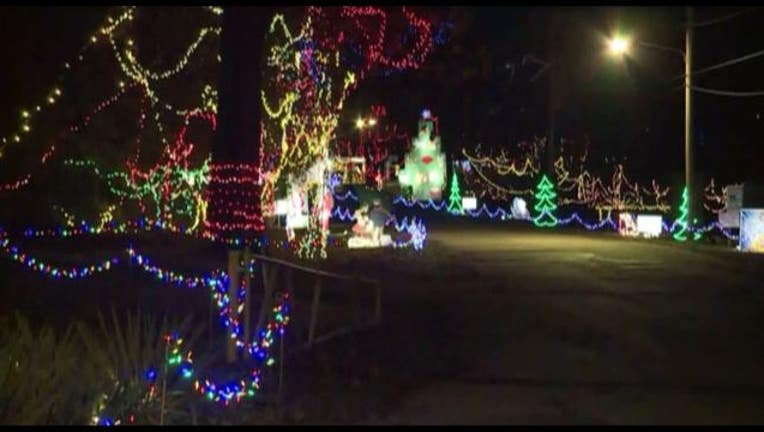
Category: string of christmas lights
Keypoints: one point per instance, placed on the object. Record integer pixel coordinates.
(172, 277)
(53, 96)
(138, 74)
(259, 350)
(176, 362)
(234, 207)
(582, 189)
(38, 265)
(23, 180)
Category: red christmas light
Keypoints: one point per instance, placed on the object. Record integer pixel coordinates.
(233, 195)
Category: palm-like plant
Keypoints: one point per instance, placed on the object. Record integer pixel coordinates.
(42, 380)
(138, 380)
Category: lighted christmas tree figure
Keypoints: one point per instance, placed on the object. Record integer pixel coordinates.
(424, 168)
(455, 199)
(681, 235)
(545, 203)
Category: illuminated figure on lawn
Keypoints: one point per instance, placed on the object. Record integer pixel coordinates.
(368, 232)
(520, 209)
(325, 210)
(362, 227)
(425, 165)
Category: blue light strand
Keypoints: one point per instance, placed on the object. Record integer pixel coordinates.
(218, 282)
(423, 205)
(40, 266)
(417, 231)
(170, 276)
(347, 195)
(343, 215)
(591, 227)
(259, 350)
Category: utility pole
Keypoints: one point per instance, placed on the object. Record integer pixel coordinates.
(555, 86)
(688, 156)
(552, 98)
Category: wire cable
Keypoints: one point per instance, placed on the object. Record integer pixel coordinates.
(724, 64)
(723, 18)
(727, 93)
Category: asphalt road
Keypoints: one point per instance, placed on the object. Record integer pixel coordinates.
(514, 325)
(494, 324)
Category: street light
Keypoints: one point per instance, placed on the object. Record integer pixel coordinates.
(620, 46)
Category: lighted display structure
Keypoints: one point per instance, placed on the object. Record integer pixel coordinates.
(729, 216)
(644, 225)
(469, 203)
(649, 226)
(752, 230)
(424, 168)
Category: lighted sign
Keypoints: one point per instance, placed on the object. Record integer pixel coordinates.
(729, 216)
(649, 225)
(469, 203)
(752, 230)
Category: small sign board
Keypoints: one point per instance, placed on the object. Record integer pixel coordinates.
(469, 203)
(752, 230)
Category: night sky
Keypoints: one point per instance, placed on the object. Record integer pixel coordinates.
(478, 86)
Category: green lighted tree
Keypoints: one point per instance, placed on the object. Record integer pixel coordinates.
(455, 199)
(545, 203)
(681, 235)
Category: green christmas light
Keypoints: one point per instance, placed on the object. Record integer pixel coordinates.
(455, 199)
(681, 235)
(545, 204)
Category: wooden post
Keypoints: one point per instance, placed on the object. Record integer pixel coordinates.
(270, 273)
(281, 369)
(210, 322)
(234, 273)
(294, 323)
(314, 311)
(247, 294)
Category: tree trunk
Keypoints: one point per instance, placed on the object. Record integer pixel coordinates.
(234, 210)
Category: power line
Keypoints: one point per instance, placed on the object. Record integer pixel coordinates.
(724, 64)
(727, 93)
(729, 62)
(723, 18)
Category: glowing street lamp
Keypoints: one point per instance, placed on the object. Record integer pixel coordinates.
(619, 45)
(360, 123)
